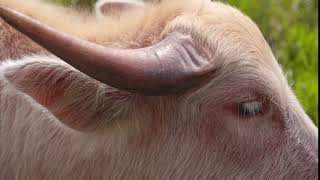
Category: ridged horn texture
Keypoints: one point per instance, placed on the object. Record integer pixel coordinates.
(171, 66)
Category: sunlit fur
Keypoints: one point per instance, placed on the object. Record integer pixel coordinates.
(120, 135)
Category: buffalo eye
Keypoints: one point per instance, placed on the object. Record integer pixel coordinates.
(251, 108)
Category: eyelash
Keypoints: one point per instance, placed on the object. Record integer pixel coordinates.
(251, 108)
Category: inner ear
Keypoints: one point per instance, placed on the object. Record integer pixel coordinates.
(112, 7)
(68, 94)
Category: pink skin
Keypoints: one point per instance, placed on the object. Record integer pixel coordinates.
(99, 132)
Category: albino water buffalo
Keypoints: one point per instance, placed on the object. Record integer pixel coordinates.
(172, 90)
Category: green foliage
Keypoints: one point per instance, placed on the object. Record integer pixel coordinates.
(291, 28)
(81, 3)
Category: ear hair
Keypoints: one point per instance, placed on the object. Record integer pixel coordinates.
(77, 100)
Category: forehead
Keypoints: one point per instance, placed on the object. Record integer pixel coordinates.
(235, 42)
(226, 31)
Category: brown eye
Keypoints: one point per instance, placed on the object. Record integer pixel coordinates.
(250, 108)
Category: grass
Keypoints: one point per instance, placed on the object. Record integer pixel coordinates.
(291, 28)
(82, 3)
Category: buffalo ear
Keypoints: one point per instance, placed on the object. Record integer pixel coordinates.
(114, 7)
(67, 93)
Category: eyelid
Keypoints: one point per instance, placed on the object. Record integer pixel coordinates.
(255, 106)
(251, 108)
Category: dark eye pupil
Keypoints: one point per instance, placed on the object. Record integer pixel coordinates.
(250, 108)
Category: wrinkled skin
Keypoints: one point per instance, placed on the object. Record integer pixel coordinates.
(203, 133)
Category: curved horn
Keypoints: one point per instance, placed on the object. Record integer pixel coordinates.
(171, 66)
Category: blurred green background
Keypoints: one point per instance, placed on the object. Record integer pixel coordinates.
(291, 28)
